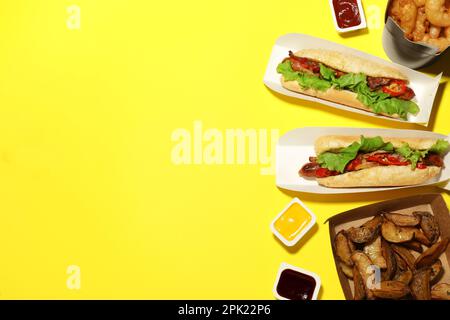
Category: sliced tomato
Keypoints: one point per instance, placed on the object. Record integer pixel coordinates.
(323, 173)
(421, 165)
(352, 165)
(395, 88)
(387, 159)
(408, 95)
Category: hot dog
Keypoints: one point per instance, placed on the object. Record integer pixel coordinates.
(349, 80)
(350, 161)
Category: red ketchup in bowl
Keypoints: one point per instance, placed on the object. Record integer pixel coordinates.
(347, 13)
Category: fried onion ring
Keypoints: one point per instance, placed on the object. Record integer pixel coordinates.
(434, 32)
(437, 13)
(440, 43)
(422, 26)
(419, 3)
(404, 12)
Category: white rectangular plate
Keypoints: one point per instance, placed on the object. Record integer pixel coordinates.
(424, 86)
(446, 185)
(295, 147)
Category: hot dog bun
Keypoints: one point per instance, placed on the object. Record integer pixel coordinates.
(351, 64)
(344, 97)
(383, 176)
(345, 63)
(333, 142)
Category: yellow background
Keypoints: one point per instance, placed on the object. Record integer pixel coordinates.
(86, 118)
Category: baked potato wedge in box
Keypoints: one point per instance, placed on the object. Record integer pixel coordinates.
(399, 249)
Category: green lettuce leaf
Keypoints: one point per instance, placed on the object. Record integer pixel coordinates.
(396, 106)
(440, 147)
(285, 69)
(326, 73)
(412, 155)
(373, 144)
(310, 81)
(378, 102)
(369, 97)
(338, 161)
(381, 102)
(349, 81)
(304, 80)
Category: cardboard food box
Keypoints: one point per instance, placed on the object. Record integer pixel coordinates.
(403, 51)
(433, 203)
(423, 85)
(296, 146)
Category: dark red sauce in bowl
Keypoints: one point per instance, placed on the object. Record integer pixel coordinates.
(347, 13)
(294, 285)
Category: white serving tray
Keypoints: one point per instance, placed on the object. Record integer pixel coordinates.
(295, 147)
(424, 86)
(447, 186)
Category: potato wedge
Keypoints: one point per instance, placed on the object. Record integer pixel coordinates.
(351, 245)
(401, 264)
(413, 245)
(429, 256)
(422, 238)
(436, 271)
(374, 252)
(374, 223)
(429, 225)
(420, 285)
(441, 292)
(343, 251)
(366, 232)
(405, 276)
(391, 290)
(363, 264)
(348, 271)
(405, 255)
(395, 234)
(358, 282)
(360, 235)
(391, 261)
(402, 220)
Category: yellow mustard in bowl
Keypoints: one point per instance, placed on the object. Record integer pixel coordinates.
(293, 222)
